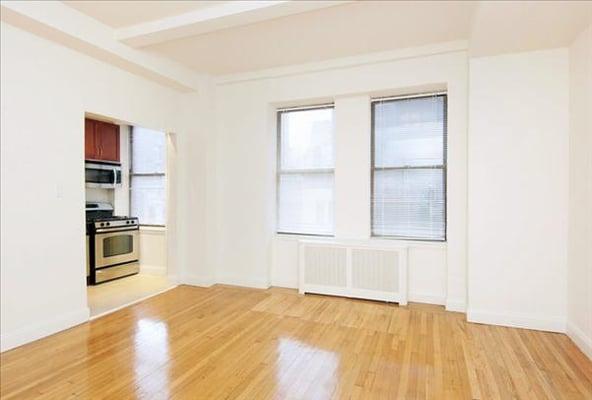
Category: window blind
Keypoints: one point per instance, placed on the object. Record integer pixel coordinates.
(147, 176)
(305, 176)
(409, 167)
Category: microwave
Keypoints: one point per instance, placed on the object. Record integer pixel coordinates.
(105, 176)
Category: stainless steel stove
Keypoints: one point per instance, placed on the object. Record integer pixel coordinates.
(113, 244)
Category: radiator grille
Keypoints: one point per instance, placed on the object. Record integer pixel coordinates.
(326, 266)
(375, 270)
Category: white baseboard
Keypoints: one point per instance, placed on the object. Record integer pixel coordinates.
(549, 324)
(195, 280)
(206, 281)
(153, 270)
(426, 298)
(258, 283)
(284, 284)
(456, 305)
(580, 339)
(41, 329)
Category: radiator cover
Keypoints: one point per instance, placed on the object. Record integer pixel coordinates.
(352, 269)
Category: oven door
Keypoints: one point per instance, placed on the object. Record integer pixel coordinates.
(102, 176)
(116, 247)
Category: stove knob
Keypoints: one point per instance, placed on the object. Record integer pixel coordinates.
(108, 224)
(102, 224)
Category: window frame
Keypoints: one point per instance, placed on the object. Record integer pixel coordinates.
(279, 171)
(131, 174)
(443, 167)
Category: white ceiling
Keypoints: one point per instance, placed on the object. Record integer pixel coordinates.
(224, 37)
(344, 30)
(119, 14)
(513, 26)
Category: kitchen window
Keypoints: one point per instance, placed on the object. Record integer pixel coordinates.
(147, 176)
(305, 171)
(409, 167)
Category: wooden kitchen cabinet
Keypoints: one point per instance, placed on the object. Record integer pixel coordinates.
(101, 141)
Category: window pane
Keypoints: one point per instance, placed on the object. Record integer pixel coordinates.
(409, 132)
(409, 203)
(148, 151)
(148, 194)
(306, 203)
(307, 139)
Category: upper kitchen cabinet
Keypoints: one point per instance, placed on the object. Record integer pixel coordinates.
(101, 141)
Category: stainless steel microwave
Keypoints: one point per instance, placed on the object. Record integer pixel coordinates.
(106, 176)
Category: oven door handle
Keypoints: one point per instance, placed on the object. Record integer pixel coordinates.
(114, 176)
(122, 229)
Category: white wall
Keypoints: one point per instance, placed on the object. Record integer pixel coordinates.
(46, 89)
(153, 251)
(247, 251)
(222, 210)
(518, 176)
(579, 279)
(99, 195)
(121, 194)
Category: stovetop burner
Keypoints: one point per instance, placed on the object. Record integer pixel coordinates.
(100, 216)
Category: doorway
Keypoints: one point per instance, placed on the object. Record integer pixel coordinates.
(146, 158)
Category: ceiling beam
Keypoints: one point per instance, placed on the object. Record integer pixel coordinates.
(216, 17)
(53, 20)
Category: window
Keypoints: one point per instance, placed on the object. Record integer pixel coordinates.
(305, 171)
(147, 176)
(409, 167)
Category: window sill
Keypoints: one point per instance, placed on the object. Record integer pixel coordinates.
(370, 240)
(302, 236)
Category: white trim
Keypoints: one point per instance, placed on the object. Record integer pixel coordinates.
(35, 331)
(356, 293)
(158, 270)
(321, 106)
(345, 62)
(195, 280)
(408, 96)
(288, 284)
(96, 40)
(455, 306)
(206, 281)
(549, 324)
(131, 303)
(427, 298)
(370, 241)
(228, 14)
(257, 283)
(580, 339)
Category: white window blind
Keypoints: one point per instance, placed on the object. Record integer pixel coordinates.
(147, 176)
(409, 168)
(305, 171)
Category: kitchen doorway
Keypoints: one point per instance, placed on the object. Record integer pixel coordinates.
(127, 214)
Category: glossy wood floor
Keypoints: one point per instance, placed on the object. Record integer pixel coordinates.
(233, 343)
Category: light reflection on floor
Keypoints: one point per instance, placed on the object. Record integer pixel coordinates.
(151, 346)
(299, 363)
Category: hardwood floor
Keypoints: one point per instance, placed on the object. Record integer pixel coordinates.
(235, 343)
